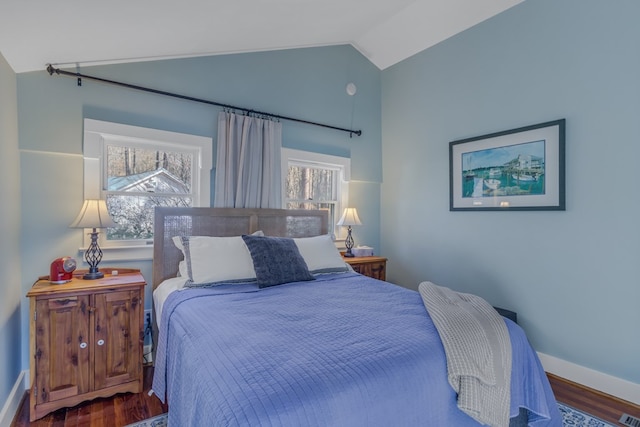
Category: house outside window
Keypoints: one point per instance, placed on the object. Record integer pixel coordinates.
(139, 179)
(136, 169)
(316, 181)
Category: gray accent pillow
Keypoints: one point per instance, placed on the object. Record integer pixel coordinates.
(276, 260)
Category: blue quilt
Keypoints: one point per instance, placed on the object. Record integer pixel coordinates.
(342, 350)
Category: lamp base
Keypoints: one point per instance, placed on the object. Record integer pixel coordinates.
(348, 243)
(93, 255)
(93, 276)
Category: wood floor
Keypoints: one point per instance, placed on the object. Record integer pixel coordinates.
(598, 404)
(117, 411)
(128, 408)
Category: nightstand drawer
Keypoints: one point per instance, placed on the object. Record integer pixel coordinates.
(372, 266)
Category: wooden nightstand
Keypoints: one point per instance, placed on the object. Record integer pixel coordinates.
(372, 266)
(86, 339)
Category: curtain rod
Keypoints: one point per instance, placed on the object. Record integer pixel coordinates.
(51, 70)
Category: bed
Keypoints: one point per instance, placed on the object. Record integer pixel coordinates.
(285, 334)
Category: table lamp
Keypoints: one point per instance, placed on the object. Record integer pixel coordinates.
(349, 218)
(94, 214)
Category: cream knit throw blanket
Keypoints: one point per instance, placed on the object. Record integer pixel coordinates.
(478, 350)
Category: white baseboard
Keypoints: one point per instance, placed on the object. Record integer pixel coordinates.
(13, 401)
(605, 383)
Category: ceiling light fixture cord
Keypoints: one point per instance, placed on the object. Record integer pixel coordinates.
(51, 70)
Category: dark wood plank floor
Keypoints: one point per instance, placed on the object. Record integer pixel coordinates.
(596, 403)
(123, 409)
(116, 411)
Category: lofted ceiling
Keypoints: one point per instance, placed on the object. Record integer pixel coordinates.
(34, 33)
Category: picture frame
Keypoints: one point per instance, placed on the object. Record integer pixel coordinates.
(516, 169)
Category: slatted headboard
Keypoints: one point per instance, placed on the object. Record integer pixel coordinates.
(225, 222)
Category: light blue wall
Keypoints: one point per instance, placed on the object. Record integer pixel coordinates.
(572, 276)
(303, 83)
(10, 290)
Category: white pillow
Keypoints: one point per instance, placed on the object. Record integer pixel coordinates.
(183, 268)
(320, 254)
(211, 260)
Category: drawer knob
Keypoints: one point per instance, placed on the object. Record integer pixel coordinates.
(100, 342)
(83, 345)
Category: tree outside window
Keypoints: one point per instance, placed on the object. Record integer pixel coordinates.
(315, 181)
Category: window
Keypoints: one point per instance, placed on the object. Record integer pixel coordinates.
(316, 181)
(136, 169)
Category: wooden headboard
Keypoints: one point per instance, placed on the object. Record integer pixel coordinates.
(225, 222)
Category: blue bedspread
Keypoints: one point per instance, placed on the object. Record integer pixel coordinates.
(343, 350)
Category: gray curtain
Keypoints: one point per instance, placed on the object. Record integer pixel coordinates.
(248, 162)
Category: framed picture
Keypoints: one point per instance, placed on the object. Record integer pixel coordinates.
(517, 169)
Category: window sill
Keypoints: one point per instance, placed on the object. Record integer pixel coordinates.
(124, 253)
(145, 253)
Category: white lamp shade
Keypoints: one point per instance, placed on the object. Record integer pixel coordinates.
(350, 217)
(94, 214)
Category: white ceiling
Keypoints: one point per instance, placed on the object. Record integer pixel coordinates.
(34, 33)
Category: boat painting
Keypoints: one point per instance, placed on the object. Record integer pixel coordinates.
(505, 171)
(513, 170)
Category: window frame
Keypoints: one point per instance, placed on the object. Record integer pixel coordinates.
(322, 161)
(98, 134)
